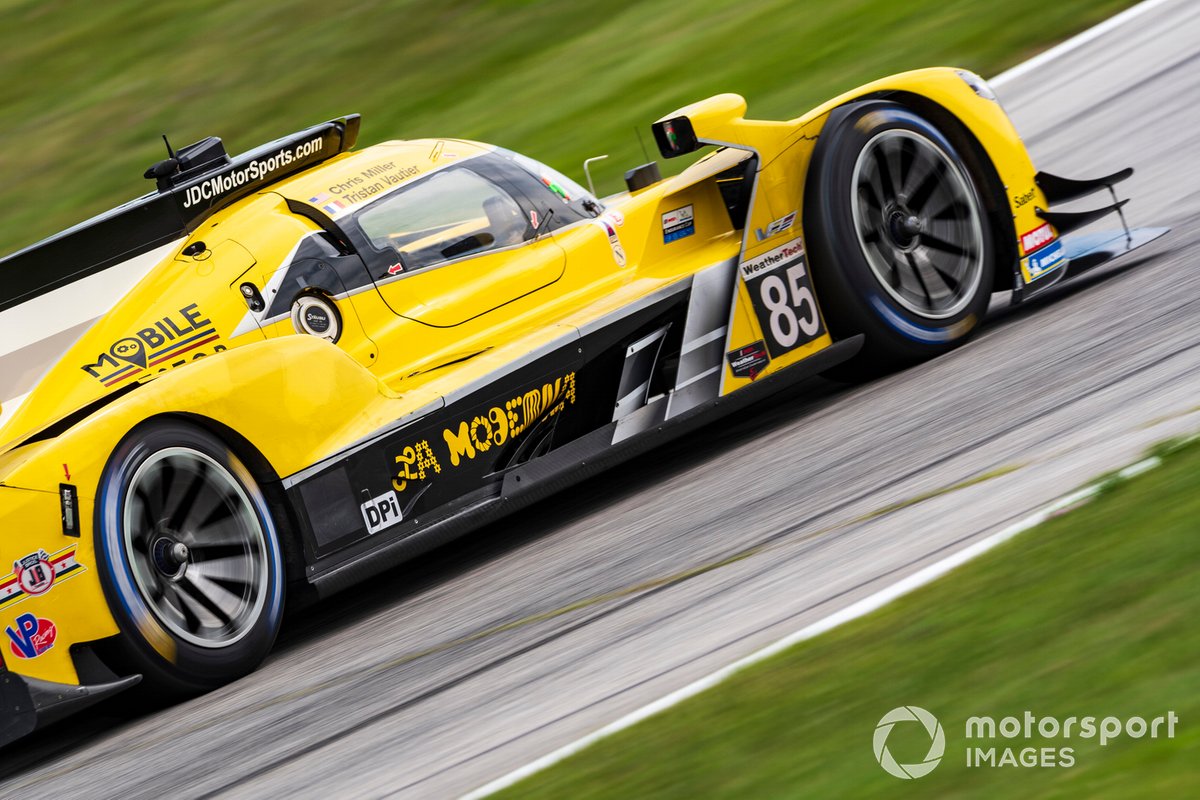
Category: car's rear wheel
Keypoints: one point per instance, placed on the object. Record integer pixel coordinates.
(897, 235)
(189, 558)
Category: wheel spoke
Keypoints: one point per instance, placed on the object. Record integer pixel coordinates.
(887, 188)
(226, 568)
(166, 481)
(205, 592)
(929, 240)
(185, 504)
(207, 551)
(189, 609)
(924, 190)
(216, 506)
(868, 192)
(214, 592)
(916, 270)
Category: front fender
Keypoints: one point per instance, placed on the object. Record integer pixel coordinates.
(983, 118)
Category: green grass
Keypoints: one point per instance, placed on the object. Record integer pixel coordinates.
(1092, 613)
(89, 86)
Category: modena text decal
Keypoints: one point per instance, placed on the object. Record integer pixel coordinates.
(36, 573)
(163, 344)
(491, 428)
(30, 636)
(219, 185)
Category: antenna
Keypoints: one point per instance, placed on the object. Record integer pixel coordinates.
(170, 152)
(645, 152)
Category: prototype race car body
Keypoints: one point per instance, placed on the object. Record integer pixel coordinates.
(341, 359)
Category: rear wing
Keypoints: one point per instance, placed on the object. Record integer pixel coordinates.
(193, 184)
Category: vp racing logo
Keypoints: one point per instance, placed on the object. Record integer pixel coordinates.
(165, 343)
(932, 728)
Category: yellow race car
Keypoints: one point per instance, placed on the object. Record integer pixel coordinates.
(340, 359)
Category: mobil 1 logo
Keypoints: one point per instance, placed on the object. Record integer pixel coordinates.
(381, 512)
(781, 293)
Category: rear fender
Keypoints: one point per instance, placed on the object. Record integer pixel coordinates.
(293, 399)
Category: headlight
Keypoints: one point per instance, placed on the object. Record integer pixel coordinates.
(977, 84)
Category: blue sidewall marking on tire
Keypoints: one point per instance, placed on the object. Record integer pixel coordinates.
(112, 535)
(914, 331)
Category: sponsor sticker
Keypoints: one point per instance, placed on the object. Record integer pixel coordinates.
(678, 224)
(216, 187)
(781, 293)
(168, 342)
(776, 227)
(1038, 237)
(1047, 259)
(749, 361)
(772, 258)
(29, 636)
(382, 512)
(615, 217)
(614, 240)
(1022, 199)
(36, 573)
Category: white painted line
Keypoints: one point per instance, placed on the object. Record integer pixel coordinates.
(1074, 42)
(851, 612)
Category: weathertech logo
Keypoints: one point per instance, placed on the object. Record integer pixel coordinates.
(165, 340)
(772, 258)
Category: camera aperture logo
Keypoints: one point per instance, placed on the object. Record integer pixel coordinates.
(1047, 740)
(937, 742)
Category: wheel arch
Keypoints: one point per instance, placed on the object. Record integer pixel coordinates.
(977, 160)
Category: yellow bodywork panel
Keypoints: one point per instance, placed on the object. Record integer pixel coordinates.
(185, 338)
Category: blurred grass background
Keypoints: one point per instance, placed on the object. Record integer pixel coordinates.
(88, 87)
(1091, 613)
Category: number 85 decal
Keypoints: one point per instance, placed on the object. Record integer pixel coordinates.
(786, 309)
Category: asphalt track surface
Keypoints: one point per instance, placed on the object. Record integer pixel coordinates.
(456, 669)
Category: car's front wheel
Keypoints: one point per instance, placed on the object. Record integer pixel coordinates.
(189, 557)
(898, 237)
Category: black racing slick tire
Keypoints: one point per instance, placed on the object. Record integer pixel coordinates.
(898, 237)
(189, 558)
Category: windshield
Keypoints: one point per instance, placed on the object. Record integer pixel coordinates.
(451, 214)
(559, 184)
